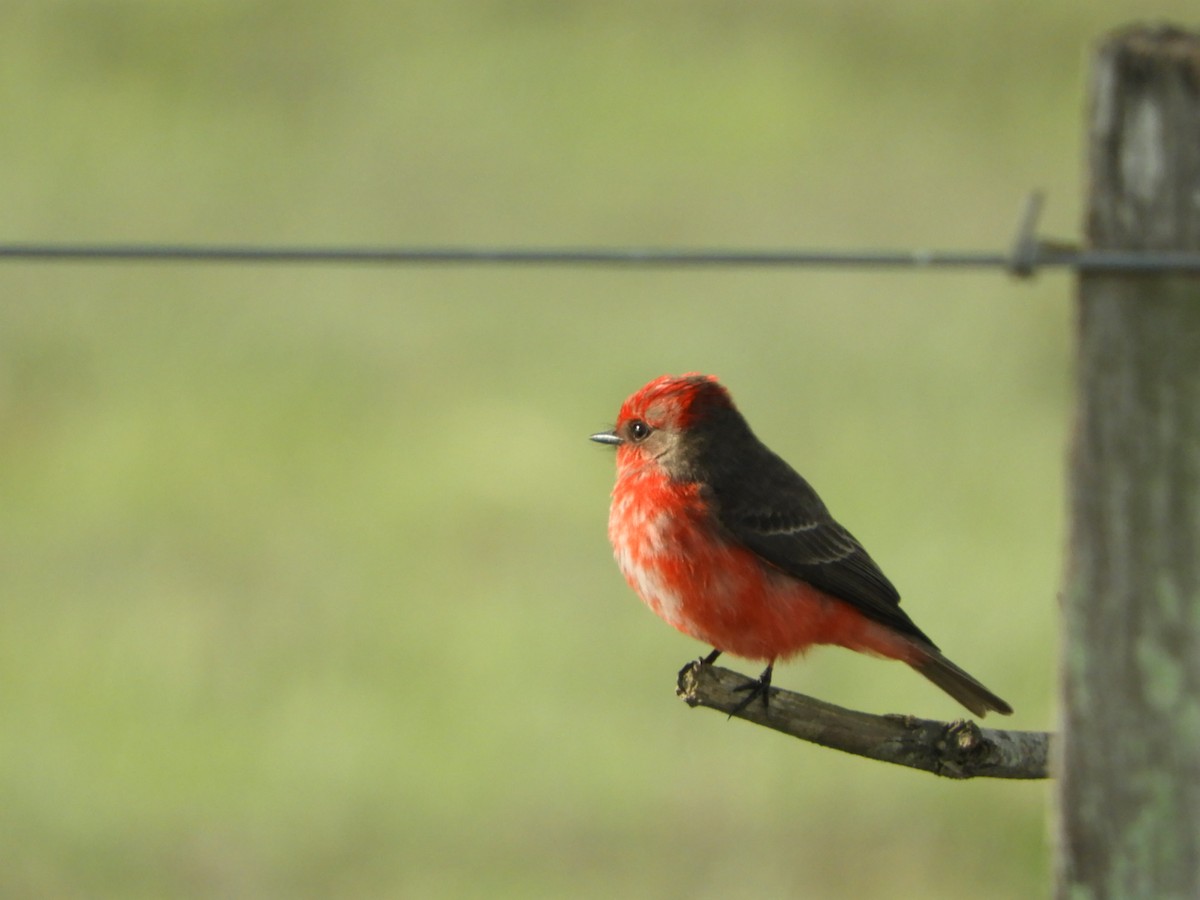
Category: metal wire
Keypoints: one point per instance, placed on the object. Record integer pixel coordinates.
(1027, 256)
(1024, 263)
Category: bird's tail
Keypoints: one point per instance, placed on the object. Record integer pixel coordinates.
(958, 684)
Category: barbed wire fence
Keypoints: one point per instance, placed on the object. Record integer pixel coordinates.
(1027, 255)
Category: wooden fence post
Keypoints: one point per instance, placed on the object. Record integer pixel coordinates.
(1129, 792)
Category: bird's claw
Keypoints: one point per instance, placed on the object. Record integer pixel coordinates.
(756, 688)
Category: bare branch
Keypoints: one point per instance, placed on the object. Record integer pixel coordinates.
(951, 749)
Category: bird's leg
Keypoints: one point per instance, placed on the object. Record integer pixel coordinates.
(761, 687)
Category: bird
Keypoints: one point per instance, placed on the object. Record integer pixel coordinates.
(729, 544)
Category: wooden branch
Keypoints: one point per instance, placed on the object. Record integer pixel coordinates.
(951, 749)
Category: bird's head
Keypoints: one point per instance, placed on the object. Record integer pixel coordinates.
(666, 418)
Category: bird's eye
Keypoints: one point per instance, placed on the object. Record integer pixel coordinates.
(638, 430)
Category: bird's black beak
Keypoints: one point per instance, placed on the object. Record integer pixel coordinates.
(607, 437)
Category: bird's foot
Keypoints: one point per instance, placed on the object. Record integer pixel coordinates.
(759, 687)
(700, 662)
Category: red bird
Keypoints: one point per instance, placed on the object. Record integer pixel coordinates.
(729, 544)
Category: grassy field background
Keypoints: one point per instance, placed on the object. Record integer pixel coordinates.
(304, 585)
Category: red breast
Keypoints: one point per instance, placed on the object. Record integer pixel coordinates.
(676, 558)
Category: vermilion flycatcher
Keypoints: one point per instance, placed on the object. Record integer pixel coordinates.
(728, 543)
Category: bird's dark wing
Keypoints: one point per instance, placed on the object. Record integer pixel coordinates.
(778, 515)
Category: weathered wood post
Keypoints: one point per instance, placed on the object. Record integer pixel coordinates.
(1129, 802)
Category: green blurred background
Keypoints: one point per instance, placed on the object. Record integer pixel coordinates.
(305, 585)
